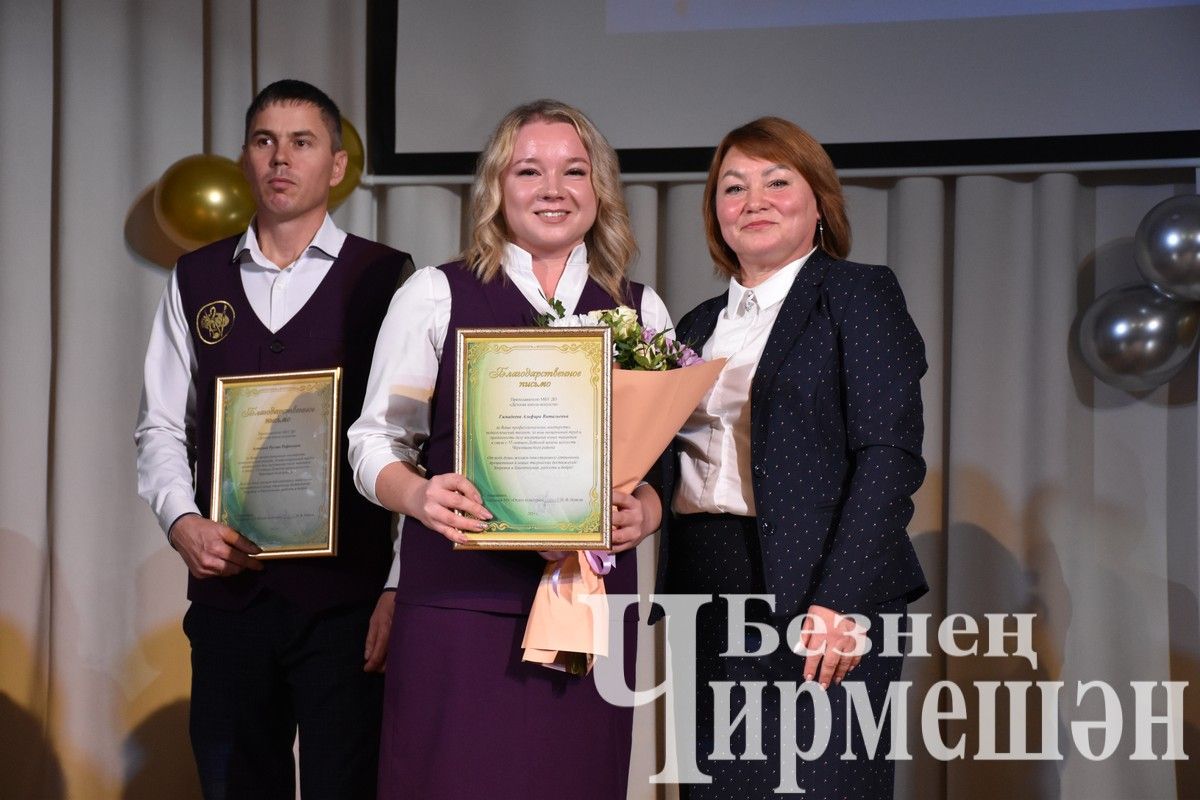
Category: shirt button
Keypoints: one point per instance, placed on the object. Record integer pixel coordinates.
(759, 470)
(276, 347)
(766, 528)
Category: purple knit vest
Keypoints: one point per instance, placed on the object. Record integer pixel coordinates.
(432, 573)
(336, 327)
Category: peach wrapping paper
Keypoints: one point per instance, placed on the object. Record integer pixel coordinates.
(648, 409)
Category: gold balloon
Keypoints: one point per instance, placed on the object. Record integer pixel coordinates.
(202, 198)
(353, 145)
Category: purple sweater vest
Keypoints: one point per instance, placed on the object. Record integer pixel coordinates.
(432, 573)
(336, 327)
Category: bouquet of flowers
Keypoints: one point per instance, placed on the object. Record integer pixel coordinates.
(634, 347)
(656, 383)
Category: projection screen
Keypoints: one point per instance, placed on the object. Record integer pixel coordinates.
(878, 81)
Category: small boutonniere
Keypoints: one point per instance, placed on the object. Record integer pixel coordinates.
(557, 312)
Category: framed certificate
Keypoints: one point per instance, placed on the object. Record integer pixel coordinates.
(533, 412)
(276, 458)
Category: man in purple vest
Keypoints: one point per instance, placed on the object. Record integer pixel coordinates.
(292, 643)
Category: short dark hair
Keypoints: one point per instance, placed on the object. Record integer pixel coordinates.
(290, 90)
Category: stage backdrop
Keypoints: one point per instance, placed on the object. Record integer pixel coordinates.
(1048, 492)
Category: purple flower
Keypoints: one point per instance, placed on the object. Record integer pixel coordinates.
(648, 335)
(688, 357)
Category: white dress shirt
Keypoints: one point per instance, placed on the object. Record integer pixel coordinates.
(168, 406)
(395, 415)
(714, 444)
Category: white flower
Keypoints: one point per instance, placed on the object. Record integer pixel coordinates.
(626, 314)
(588, 320)
(624, 322)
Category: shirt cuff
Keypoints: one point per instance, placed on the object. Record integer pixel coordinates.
(368, 473)
(173, 508)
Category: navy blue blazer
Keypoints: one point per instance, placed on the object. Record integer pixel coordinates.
(835, 449)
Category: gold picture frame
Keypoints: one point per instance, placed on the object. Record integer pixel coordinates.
(276, 460)
(533, 428)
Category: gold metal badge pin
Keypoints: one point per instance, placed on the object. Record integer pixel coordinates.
(214, 321)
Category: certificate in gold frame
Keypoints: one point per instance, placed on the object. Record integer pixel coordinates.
(533, 414)
(276, 460)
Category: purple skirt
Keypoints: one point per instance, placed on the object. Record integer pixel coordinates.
(465, 717)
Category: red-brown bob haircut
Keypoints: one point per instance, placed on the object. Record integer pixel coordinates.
(782, 142)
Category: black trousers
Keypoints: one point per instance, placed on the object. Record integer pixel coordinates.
(259, 674)
(719, 554)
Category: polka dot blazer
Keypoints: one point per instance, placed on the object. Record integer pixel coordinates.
(835, 439)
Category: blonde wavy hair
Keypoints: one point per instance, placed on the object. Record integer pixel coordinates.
(610, 242)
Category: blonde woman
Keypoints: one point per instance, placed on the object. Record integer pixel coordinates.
(464, 716)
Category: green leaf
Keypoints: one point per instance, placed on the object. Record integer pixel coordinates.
(556, 305)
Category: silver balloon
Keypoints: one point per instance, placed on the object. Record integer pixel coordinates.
(1134, 338)
(1167, 246)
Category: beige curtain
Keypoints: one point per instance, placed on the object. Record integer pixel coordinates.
(1048, 492)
